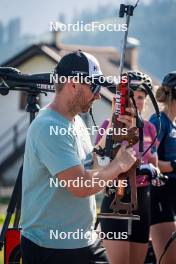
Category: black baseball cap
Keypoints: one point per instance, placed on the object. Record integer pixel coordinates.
(85, 65)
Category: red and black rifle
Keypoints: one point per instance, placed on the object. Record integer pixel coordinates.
(123, 99)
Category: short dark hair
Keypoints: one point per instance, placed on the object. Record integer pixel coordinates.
(59, 86)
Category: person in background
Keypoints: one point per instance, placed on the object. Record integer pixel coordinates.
(163, 199)
(132, 249)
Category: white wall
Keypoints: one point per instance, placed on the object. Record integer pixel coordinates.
(9, 104)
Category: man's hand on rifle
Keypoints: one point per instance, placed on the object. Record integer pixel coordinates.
(125, 158)
(127, 119)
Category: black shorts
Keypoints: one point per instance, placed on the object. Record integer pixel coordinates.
(163, 202)
(34, 254)
(140, 228)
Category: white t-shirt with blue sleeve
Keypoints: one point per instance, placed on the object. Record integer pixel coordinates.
(51, 216)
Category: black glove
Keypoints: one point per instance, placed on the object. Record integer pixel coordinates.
(153, 173)
(147, 169)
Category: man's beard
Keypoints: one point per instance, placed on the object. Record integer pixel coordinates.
(79, 104)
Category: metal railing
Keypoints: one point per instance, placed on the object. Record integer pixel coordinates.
(13, 138)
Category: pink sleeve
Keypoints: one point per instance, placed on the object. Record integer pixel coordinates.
(103, 125)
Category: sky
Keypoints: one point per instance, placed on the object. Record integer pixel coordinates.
(36, 14)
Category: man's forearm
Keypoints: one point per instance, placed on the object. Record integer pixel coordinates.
(94, 181)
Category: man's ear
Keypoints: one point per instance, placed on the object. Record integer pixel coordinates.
(71, 86)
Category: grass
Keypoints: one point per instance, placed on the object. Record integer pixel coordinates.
(1, 257)
(2, 218)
